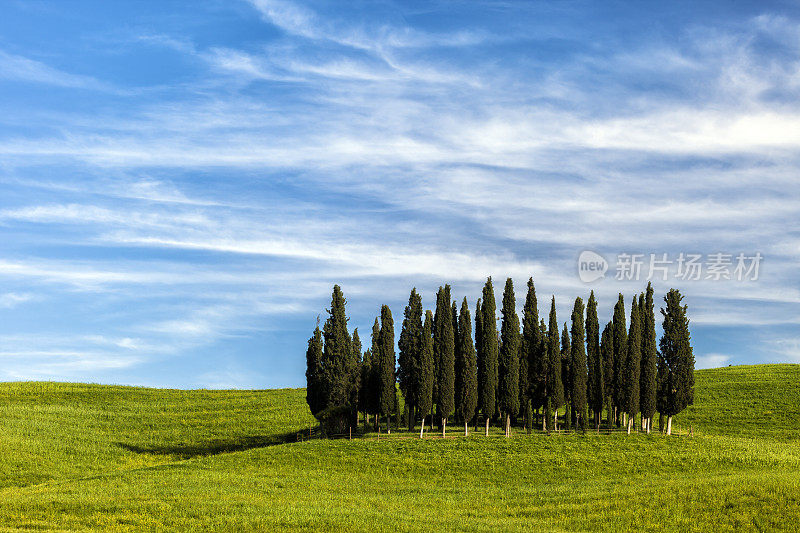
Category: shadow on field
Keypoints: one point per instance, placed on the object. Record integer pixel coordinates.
(212, 447)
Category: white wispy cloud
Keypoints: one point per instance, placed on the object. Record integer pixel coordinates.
(19, 68)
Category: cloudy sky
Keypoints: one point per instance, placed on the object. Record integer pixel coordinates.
(181, 183)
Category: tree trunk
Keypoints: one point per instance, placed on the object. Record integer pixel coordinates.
(669, 425)
(649, 424)
(487, 426)
(466, 428)
(388, 424)
(444, 427)
(555, 420)
(629, 425)
(422, 429)
(508, 425)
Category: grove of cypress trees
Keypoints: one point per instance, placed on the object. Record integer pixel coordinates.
(386, 366)
(444, 353)
(555, 388)
(620, 346)
(596, 383)
(491, 353)
(314, 386)
(633, 365)
(676, 385)
(426, 372)
(531, 346)
(508, 365)
(409, 359)
(466, 369)
(337, 366)
(578, 366)
(566, 353)
(647, 395)
(607, 356)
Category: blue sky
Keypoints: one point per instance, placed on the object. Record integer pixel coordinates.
(181, 183)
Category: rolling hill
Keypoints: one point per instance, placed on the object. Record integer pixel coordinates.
(77, 456)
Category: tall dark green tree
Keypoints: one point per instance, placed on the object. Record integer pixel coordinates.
(386, 366)
(508, 365)
(314, 390)
(466, 369)
(578, 366)
(356, 377)
(409, 373)
(366, 391)
(544, 343)
(607, 356)
(633, 365)
(676, 385)
(338, 363)
(426, 374)
(566, 376)
(555, 388)
(444, 353)
(532, 348)
(491, 351)
(596, 382)
(479, 353)
(647, 395)
(620, 346)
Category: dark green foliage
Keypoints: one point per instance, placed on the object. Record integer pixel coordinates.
(489, 343)
(480, 350)
(555, 387)
(676, 379)
(647, 397)
(426, 374)
(410, 357)
(338, 363)
(596, 381)
(386, 363)
(578, 366)
(566, 376)
(355, 391)
(466, 368)
(444, 353)
(313, 362)
(633, 363)
(508, 365)
(620, 347)
(532, 346)
(607, 356)
(366, 395)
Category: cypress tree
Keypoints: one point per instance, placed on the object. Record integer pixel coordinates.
(365, 392)
(633, 365)
(508, 365)
(444, 350)
(607, 356)
(578, 366)
(410, 357)
(386, 366)
(677, 387)
(491, 353)
(647, 396)
(356, 377)
(566, 354)
(536, 364)
(337, 367)
(373, 400)
(596, 382)
(479, 354)
(555, 388)
(543, 344)
(426, 372)
(620, 347)
(466, 369)
(314, 389)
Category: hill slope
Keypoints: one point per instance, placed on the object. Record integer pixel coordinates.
(78, 456)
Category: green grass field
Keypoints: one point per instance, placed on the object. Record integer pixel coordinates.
(76, 457)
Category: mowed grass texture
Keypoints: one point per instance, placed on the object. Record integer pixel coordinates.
(76, 457)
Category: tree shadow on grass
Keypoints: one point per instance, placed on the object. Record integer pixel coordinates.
(214, 446)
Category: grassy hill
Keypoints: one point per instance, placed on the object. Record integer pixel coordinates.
(76, 456)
